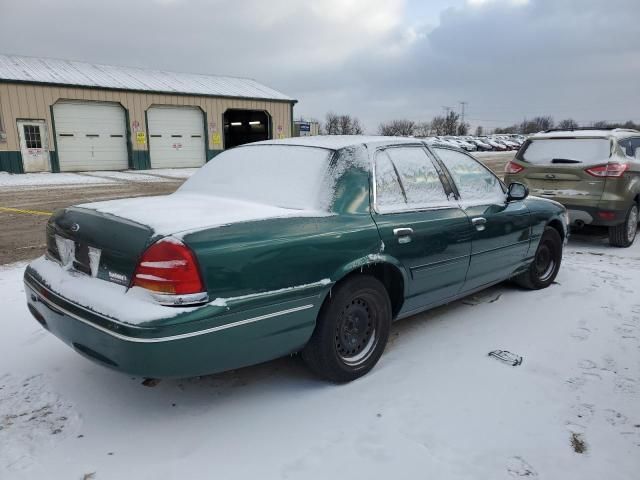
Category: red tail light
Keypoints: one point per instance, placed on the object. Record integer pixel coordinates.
(513, 168)
(608, 170)
(168, 267)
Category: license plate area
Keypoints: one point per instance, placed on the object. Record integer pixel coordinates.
(80, 256)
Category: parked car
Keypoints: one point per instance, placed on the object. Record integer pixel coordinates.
(311, 245)
(481, 146)
(594, 173)
(495, 145)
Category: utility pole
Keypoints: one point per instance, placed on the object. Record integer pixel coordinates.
(462, 104)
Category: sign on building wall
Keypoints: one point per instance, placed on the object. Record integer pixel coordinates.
(305, 129)
(141, 138)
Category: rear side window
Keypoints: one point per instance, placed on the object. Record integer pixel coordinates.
(409, 171)
(389, 195)
(547, 151)
(475, 183)
(629, 146)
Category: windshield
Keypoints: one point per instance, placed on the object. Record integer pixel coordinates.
(567, 150)
(278, 175)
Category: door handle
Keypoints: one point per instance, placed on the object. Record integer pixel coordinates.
(479, 223)
(403, 234)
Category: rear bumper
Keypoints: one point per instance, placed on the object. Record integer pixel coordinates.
(582, 215)
(204, 346)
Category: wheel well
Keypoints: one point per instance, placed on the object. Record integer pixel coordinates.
(637, 199)
(390, 277)
(558, 226)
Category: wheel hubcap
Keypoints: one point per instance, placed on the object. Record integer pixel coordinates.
(632, 224)
(355, 332)
(545, 262)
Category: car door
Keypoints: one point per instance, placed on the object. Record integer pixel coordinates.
(421, 224)
(501, 229)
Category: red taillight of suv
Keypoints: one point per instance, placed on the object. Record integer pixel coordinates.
(513, 168)
(608, 170)
(169, 267)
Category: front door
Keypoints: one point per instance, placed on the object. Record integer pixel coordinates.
(501, 229)
(425, 230)
(34, 145)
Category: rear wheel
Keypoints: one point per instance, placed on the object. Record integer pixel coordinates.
(351, 331)
(624, 234)
(546, 263)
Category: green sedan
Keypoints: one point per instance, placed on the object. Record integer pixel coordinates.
(313, 245)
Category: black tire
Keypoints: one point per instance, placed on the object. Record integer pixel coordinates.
(624, 234)
(351, 331)
(546, 263)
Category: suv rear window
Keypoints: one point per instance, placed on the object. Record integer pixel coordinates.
(546, 151)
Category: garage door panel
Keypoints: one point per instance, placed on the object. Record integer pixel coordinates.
(91, 136)
(176, 137)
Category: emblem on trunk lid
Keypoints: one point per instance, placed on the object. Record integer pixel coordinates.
(75, 227)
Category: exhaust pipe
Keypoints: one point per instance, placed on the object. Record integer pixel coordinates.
(579, 224)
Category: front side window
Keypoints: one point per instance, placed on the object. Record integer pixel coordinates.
(475, 183)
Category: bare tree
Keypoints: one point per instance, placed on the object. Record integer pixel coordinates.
(335, 124)
(536, 124)
(463, 128)
(568, 124)
(397, 128)
(438, 125)
(356, 128)
(479, 131)
(423, 129)
(331, 124)
(451, 123)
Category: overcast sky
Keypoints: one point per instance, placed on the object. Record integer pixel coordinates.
(376, 59)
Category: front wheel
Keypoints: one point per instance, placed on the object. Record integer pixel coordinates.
(624, 234)
(546, 263)
(351, 331)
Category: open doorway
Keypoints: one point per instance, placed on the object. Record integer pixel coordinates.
(245, 126)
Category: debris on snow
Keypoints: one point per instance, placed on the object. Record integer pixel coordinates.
(506, 357)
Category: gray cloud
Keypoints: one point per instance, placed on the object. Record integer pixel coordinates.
(507, 58)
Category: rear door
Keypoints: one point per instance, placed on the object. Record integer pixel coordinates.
(556, 168)
(419, 224)
(501, 230)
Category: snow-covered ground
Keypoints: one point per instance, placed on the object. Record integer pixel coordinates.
(436, 406)
(46, 179)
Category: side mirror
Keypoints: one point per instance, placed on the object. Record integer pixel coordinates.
(517, 191)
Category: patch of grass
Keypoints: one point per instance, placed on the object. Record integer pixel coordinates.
(578, 443)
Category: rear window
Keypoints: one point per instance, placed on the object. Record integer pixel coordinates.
(567, 151)
(283, 176)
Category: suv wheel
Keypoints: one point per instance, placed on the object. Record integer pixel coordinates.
(624, 234)
(351, 331)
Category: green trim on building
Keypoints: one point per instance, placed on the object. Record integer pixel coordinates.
(212, 153)
(53, 154)
(11, 162)
(140, 160)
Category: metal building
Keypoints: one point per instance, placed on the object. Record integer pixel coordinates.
(60, 115)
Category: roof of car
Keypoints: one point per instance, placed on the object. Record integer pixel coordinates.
(588, 133)
(336, 142)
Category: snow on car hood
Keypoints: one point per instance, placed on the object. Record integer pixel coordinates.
(183, 212)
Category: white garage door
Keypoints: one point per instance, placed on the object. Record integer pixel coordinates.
(176, 137)
(91, 136)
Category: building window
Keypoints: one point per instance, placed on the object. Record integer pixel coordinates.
(32, 136)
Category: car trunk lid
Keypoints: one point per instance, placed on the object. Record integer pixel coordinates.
(96, 244)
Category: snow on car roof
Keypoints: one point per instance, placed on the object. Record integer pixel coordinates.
(336, 142)
(615, 133)
(68, 72)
